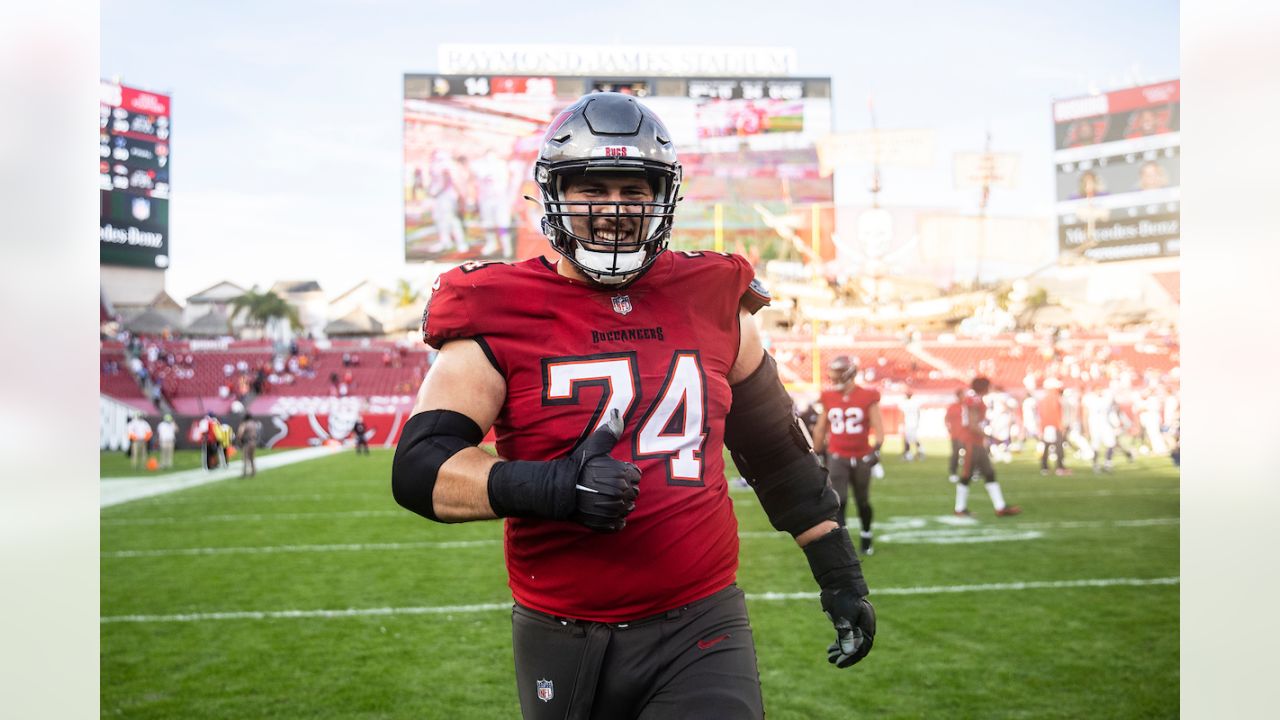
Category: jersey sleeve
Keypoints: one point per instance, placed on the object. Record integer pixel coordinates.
(873, 397)
(446, 316)
(752, 294)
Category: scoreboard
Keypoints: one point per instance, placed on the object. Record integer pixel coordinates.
(1117, 173)
(133, 177)
(470, 143)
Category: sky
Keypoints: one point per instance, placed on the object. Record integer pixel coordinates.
(286, 146)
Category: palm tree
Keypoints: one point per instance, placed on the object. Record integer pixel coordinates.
(260, 307)
(402, 296)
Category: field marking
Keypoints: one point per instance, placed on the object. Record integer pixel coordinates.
(246, 499)
(990, 587)
(900, 530)
(254, 516)
(269, 549)
(114, 491)
(757, 597)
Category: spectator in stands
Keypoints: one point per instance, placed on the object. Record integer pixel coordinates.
(247, 440)
(361, 433)
(167, 435)
(139, 438)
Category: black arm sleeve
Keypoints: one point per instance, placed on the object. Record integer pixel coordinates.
(427, 441)
(773, 454)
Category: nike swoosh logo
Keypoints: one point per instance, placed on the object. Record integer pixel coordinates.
(708, 644)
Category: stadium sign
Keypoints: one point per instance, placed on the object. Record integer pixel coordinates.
(641, 60)
(133, 176)
(1117, 173)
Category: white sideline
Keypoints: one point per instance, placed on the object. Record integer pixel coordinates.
(114, 491)
(745, 534)
(758, 597)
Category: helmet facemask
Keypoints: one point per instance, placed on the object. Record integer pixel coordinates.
(610, 241)
(611, 137)
(841, 371)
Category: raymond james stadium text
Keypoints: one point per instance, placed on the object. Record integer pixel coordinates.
(653, 333)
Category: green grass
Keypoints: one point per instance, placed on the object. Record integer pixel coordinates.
(117, 464)
(1062, 652)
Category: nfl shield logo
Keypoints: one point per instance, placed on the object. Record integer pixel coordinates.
(545, 690)
(622, 304)
(141, 208)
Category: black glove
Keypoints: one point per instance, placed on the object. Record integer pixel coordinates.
(588, 486)
(607, 488)
(855, 621)
(871, 459)
(844, 596)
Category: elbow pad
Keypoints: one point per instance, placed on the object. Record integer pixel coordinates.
(428, 440)
(772, 451)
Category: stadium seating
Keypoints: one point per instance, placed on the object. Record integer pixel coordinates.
(378, 368)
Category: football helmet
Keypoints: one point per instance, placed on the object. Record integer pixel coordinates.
(608, 132)
(841, 370)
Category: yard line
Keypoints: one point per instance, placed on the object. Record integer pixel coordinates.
(506, 606)
(448, 544)
(268, 549)
(251, 517)
(1073, 524)
(245, 499)
(991, 587)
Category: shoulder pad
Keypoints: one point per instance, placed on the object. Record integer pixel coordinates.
(756, 296)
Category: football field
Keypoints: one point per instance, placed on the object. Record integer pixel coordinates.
(306, 592)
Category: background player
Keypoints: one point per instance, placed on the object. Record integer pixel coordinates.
(608, 378)
(850, 415)
(976, 458)
(1052, 431)
(911, 428)
(954, 419)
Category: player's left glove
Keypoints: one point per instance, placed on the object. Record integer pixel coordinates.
(870, 459)
(844, 596)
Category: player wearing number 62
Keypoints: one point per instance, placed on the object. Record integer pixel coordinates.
(613, 377)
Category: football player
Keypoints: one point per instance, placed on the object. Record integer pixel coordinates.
(953, 420)
(851, 415)
(1052, 429)
(977, 460)
(612, 378)
(911, 428)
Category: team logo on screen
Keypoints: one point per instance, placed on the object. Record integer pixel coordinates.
(141, 208)
(546, 690)
(622, 304)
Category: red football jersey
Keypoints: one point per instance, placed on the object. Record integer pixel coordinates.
(848, 420)
(972, 409)
(1051, 411)
(659, 351)
(954, 420)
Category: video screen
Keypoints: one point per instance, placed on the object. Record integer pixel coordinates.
(133, 176)
(470, 144)
(1117, 176)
